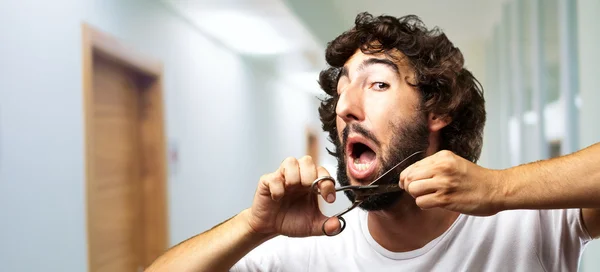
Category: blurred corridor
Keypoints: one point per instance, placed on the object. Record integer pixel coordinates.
(240, 94)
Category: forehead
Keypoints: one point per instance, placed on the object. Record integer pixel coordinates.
(359, 57)
(396, 56)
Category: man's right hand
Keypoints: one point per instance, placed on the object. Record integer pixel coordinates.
(285, 205)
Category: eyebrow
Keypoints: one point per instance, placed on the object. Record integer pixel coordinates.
(372, 61)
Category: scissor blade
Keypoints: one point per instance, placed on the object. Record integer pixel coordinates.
(379, 189)
(404, 163)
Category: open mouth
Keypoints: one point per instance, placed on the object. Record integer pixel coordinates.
(362, 159)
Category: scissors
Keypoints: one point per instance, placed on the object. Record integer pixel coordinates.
(363, 192)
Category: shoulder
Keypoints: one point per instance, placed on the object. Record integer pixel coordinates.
(534, 218)
(528, 238)
(565, 222)
(513, 226)
(557, 226)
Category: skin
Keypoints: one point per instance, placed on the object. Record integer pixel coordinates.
(448, 181)
(439, 187)
(373, 95)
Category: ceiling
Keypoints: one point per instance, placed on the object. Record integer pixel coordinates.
(464, 21)
(251, 27)
(307, 25)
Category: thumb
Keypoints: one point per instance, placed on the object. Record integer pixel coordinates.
(329, 226)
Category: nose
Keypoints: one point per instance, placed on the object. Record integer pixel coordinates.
(349, 106)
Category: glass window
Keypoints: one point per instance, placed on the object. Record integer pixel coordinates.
(526, 44)
(549, 14)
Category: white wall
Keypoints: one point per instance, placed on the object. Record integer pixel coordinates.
(217, 107)
(589, 86)
(41, 154)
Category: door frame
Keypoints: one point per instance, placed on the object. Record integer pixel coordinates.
(312, 144)
(154, 192)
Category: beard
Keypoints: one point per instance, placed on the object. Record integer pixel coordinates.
(407, 139)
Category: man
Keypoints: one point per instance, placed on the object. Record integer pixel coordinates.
(396, 88)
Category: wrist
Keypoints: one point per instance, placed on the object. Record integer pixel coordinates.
(504, 190)
(244, 223)
(511, 187)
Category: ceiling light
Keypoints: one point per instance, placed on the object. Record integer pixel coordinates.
(243, 32)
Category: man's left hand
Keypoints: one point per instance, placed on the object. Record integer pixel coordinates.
(448, 181)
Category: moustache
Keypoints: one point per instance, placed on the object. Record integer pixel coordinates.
(358, 129)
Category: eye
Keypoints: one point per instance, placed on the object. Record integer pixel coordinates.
(380, 86)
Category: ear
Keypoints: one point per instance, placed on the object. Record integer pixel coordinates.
(436, 122)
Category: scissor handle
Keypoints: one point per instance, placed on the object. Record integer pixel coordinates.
(342, 221)
(315, 185)
(339, 217)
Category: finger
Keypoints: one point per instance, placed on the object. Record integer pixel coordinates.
(327, 187)
(408, 170)
(422, 187)
(275, 183)
(290, 171)
(419, 172)
(308, 171)
(428, 201)
(332, 226)
(403, 175)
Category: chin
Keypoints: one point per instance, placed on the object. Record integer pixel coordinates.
(372, 203)
(381, 202)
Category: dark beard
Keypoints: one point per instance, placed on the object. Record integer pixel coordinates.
(408, 139)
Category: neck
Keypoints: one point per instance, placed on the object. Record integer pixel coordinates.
(406, 227)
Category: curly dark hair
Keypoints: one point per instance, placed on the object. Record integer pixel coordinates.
(446, 87)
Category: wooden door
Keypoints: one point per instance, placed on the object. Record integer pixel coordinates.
(116, 218)
(312, 145)
(125, 158)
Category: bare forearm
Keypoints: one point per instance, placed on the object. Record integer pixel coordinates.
(215, 250)
(571, 181)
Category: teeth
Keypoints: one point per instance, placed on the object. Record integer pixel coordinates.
(361, 166)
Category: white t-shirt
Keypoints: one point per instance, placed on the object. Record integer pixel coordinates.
(522, 240)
